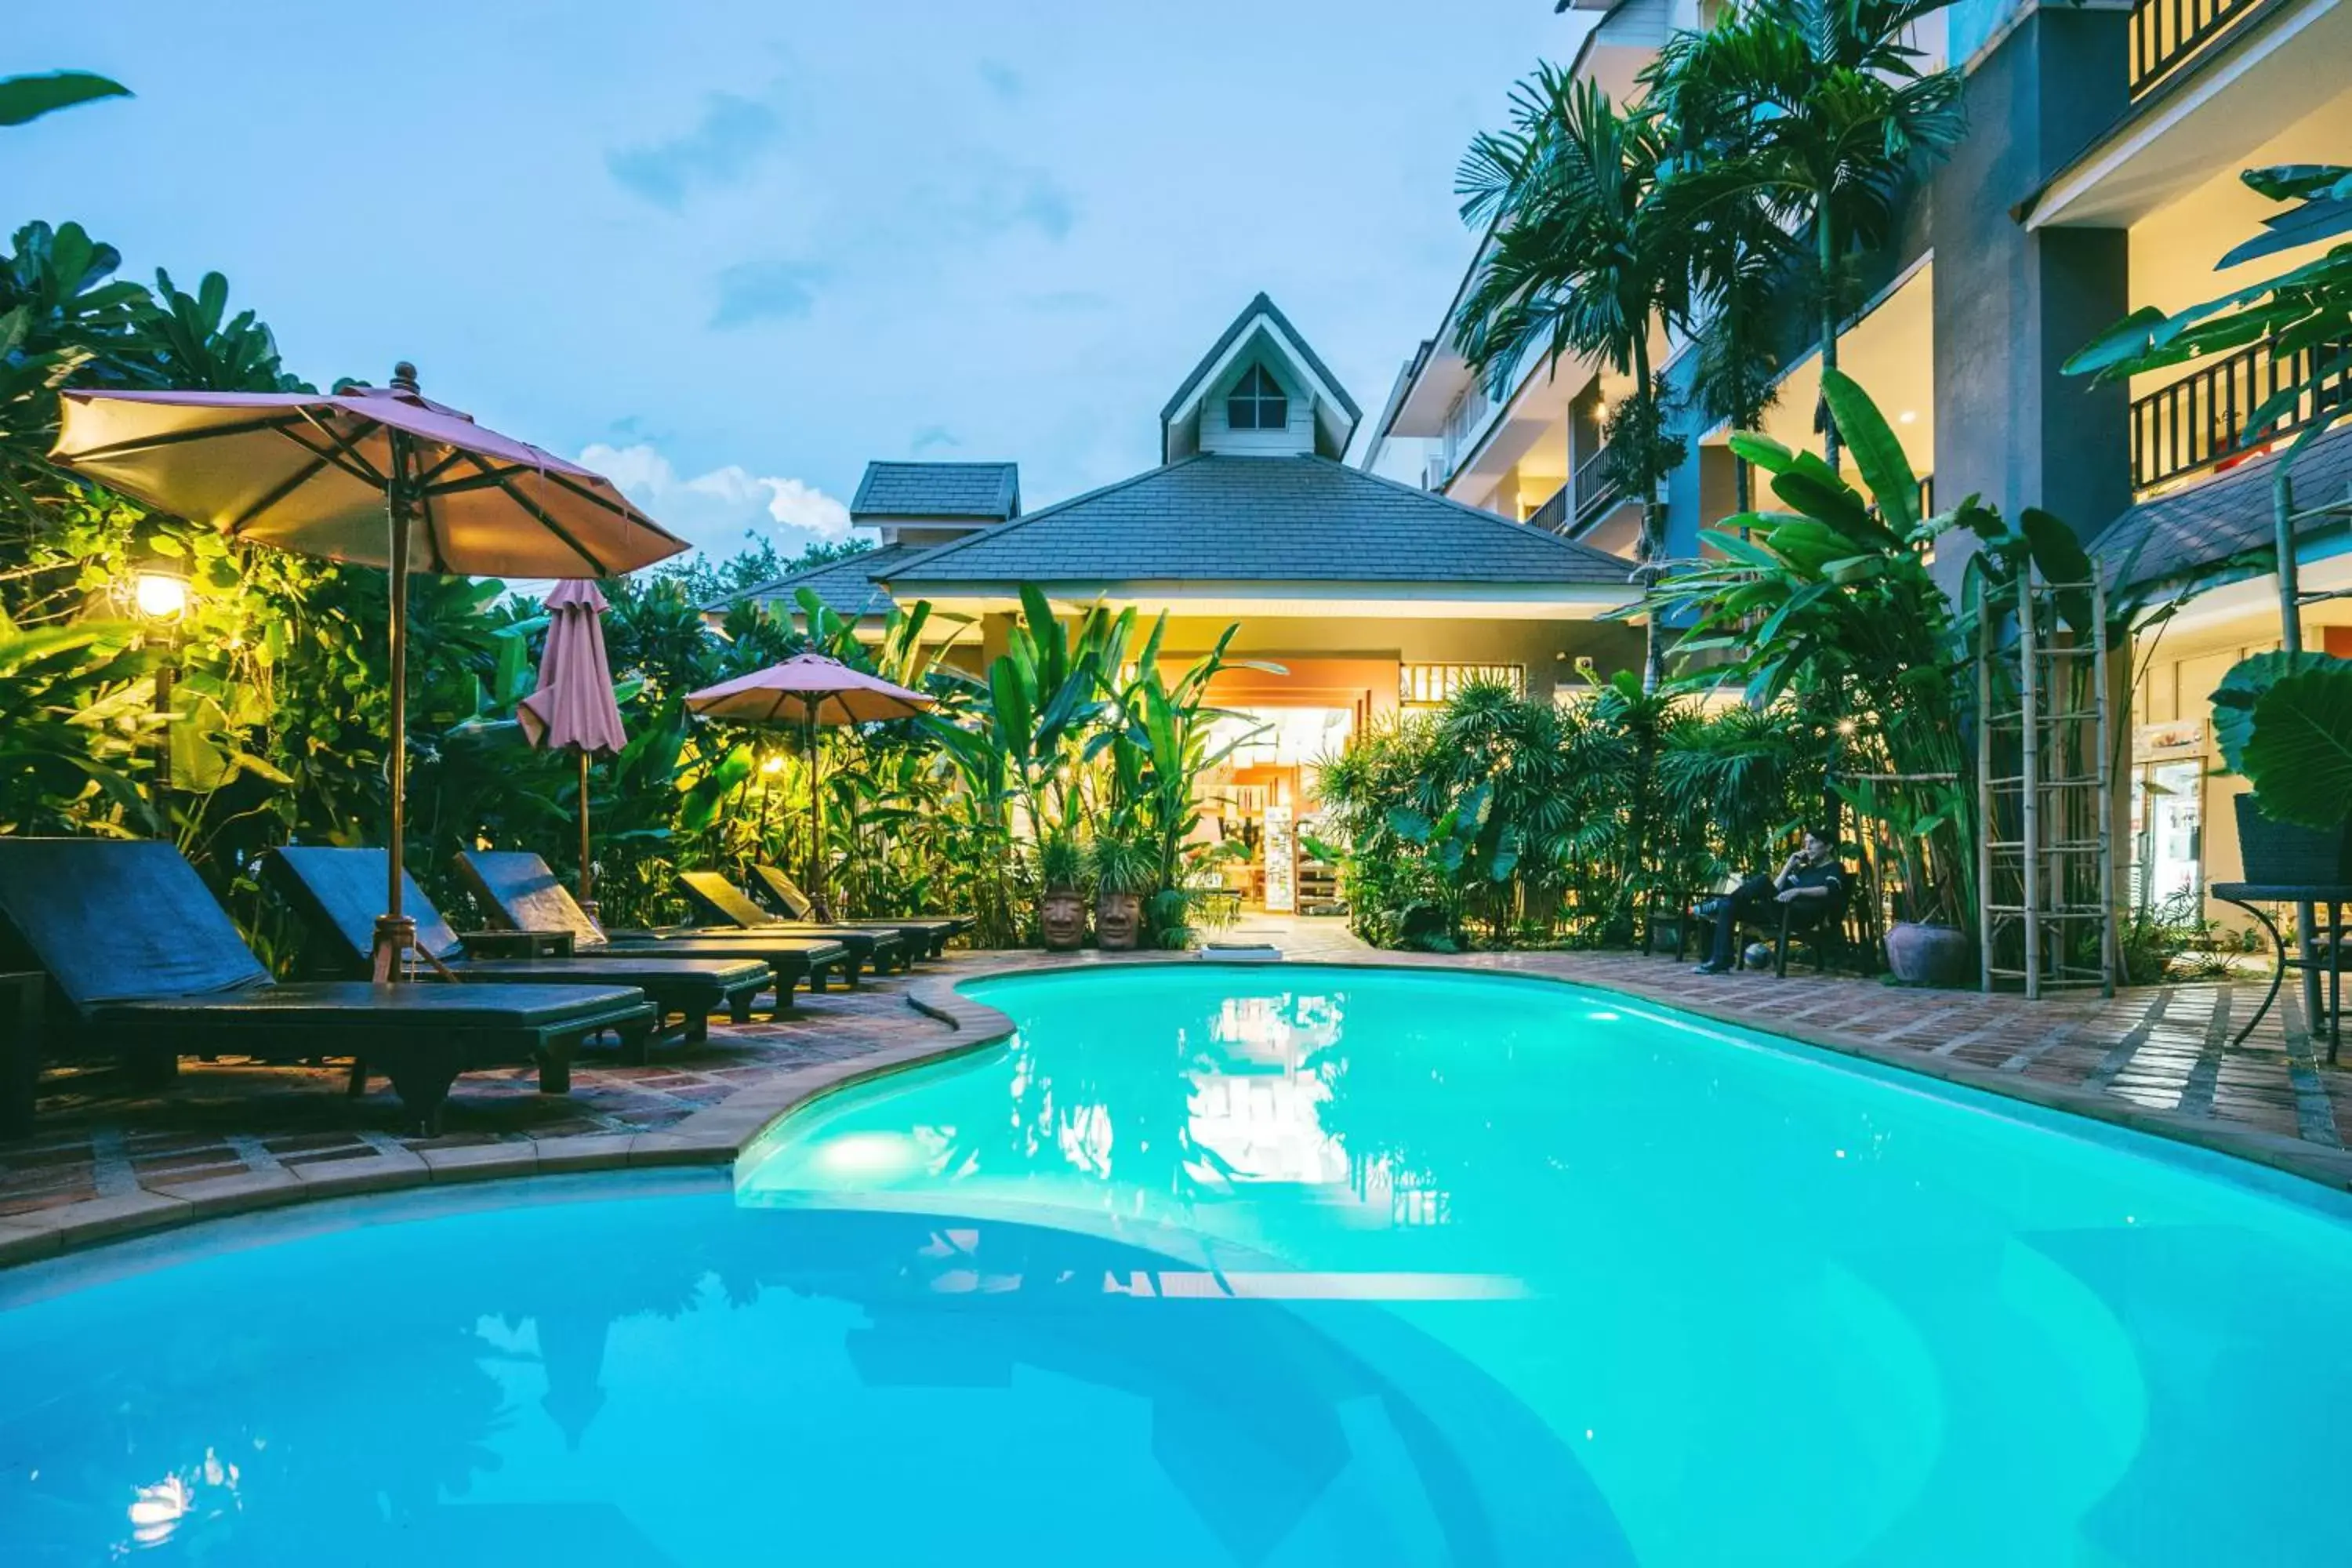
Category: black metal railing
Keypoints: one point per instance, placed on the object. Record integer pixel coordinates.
(1552, 516)
(2198, 420)
(1595, 488)
(2166, 32)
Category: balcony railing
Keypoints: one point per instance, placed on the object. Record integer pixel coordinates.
(1595, 488)
(1552, 516)
(2166, 32)
(2197, 420)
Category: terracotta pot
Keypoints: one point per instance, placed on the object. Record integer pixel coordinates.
(1922, 955)
(1063, 916)
(1119, 920)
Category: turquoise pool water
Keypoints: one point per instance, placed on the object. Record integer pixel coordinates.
(1279, 1266)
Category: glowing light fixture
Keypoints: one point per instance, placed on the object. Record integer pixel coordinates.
(1908, 416)
(772, 766)
(161, 591)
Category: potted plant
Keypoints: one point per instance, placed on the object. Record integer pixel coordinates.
(1124, 872)
(2284, 723)
(1062, 910)
(1924, 943)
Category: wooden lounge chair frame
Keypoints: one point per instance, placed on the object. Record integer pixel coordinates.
(143, 964)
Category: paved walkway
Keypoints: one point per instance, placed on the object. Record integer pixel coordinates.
(110, 1161)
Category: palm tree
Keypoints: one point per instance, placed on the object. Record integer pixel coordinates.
(1823, 110)
(1583, 261)
(1741, 257)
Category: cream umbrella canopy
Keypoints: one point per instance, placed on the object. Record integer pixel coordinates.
(374, 476)
(810, 689)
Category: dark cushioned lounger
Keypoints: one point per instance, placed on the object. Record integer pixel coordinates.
(728, 909)
(338, 891)
(929, 934)
(148, 967)
(517, 890)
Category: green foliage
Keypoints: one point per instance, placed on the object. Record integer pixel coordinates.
(24, 98)
(1121, 863)
(1583, 260)
(1816, 113)
(1503, 820)
(2285, 722)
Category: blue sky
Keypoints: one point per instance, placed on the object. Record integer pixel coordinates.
(728, 251)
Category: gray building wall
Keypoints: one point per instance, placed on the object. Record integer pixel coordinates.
(2011, 306)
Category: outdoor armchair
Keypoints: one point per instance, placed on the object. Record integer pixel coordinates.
(337, 891)
(149, 968)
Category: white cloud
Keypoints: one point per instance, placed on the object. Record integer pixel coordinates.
(715, 510)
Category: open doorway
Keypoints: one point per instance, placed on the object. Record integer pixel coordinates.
(1259, 804)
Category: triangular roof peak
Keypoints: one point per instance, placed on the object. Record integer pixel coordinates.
(1261, 335)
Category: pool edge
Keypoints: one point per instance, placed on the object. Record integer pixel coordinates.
(725, 1134)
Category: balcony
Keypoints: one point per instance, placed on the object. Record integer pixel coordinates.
(2166, 32)
(2199, 421)
(1552, 516)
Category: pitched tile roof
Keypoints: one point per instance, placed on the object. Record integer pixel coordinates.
(846, 586)
(1263, 520)
(990, 490)
(2168, 539)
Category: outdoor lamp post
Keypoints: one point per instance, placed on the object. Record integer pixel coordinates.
(159, 591)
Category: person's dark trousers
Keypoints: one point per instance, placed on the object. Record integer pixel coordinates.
(1752, 898)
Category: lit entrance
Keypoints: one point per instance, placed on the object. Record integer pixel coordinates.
(1257, 803)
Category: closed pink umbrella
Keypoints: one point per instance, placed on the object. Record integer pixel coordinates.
(379, 476)
(575, 706)
(814, 690)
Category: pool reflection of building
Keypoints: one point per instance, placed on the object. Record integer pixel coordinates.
(1260, 1109)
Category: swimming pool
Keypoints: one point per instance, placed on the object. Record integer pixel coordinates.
(1268, 1266)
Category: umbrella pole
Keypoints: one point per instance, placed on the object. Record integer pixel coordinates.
(395, 933)
(586, 902)
(817, 818)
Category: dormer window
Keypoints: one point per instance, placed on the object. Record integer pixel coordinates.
(1257, 403)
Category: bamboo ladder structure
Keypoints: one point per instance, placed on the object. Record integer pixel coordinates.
(2045, 796)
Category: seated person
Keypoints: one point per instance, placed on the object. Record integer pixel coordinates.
(1811, 876)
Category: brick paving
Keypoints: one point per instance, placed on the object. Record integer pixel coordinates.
(2155, 1057)
(96, 1137)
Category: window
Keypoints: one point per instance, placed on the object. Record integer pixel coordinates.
(1257, 403)
(1429, 685)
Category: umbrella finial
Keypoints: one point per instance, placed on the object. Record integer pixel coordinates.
(403, 377)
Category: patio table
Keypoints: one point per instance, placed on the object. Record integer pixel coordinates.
(2331, 896)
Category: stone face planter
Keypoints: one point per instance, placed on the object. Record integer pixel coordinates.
(2281, 852)
(1063, 917)
(1118, 921)
(1922, 955)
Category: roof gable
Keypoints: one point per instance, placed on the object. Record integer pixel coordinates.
(1263, 329)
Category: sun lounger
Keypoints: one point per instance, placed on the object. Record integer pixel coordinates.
(727, 909)
(338, 891)
(928, 932)
(517, 890)
(149, 968)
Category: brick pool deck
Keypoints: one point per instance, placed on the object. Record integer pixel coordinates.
(107, 1162)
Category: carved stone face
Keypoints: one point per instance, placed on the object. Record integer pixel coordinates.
(1119, 919)
(1063, 918)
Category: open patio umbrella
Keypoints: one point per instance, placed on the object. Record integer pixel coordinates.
(814, 690)
(376, 475)
(575, 706)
